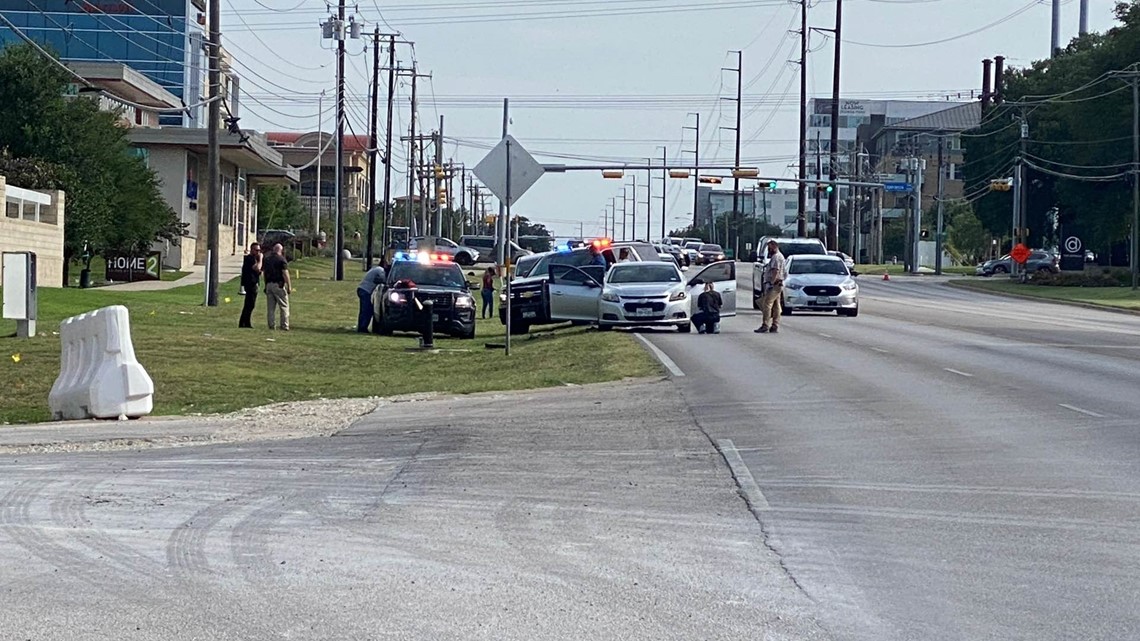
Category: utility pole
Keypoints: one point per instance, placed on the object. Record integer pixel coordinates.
(696, 166)
(462, 200)
(338, 270)
(213, 166)
(439, 202)
(801, 217)
(736, 162)
(818, 175)
(633, 213)
(320, 156)
(1134, 258)
(373, 146)
(917, 171)
(648, 201)
(833, 170)
(941, 210)
(1055, 40)
(388, 143)
(664, 188)
(1084, 17)
(623, 223)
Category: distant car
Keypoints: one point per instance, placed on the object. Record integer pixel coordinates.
(820, 284)
(672, 253)
(1040, 261)
(465, 256)
(709, 253)
(847, 260)
(692, 251)
(485, 245)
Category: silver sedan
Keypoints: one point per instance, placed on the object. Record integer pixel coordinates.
(820, 284)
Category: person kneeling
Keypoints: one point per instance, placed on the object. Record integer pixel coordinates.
(707, 319)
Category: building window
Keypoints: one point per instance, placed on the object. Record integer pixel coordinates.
(791, 218)
(953, 172)
(228, 200)
(955, 143)
(820, 120)
(791, 204)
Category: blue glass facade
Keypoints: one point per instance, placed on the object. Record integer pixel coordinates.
(158, 38)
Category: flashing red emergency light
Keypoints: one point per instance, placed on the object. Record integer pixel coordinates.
(601, 243)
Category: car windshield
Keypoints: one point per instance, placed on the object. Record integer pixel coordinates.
(696, 246)
(434, 275)
(707, 247)
(800, 249)
(815, 266)
(525, 266)
(644, 273)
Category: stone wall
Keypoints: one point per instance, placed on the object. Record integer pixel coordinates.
(45, 238)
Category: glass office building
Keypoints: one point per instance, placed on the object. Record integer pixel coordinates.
(162, 39)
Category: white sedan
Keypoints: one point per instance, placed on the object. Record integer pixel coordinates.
(820, 284)
(638, 294)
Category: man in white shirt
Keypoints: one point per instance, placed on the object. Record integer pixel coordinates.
(771, 302)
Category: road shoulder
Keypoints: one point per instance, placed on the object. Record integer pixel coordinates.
(970, 286)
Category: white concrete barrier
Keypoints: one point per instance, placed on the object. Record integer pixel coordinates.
(99, 376)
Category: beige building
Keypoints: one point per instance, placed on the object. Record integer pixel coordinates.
(301, 150)
(33, 221)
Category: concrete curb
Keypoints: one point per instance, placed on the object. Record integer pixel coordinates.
(966, 285)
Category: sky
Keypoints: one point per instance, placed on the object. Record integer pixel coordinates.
(601, 81)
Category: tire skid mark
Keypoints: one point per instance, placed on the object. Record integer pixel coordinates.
(69, 512)
(249, 551)
(186, 555)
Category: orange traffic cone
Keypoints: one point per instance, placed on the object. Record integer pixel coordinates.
(886, 275)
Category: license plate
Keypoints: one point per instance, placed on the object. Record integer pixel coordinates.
(823, 300)
(529, 314)
(643, 311)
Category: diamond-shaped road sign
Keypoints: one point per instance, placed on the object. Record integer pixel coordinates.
(492, 170)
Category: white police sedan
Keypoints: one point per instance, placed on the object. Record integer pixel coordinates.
(820, 284)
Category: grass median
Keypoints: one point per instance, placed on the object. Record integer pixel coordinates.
(1112, 297)
(201, 362)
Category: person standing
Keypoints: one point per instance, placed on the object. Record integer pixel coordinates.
(372, 279)
(278, 285)
(487, 290)
(250, 277)
(771, 302)
(709, 303)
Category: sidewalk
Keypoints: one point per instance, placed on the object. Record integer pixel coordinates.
(229, 268)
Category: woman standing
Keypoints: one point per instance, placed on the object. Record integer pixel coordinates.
(488, 291)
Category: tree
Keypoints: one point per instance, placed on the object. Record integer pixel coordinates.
(281, 208)
(113, 199)
(966, 237)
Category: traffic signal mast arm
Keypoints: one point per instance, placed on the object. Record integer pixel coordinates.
(611, 171)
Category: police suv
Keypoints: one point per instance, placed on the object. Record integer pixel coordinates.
(414, 279)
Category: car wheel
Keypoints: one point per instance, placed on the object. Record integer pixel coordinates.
(1000, 269)
(685, 328)
(383, 329)
(785, 311)
(468, 336)
(850, 313)
(464, 259)
(520, 328)
(604, 327)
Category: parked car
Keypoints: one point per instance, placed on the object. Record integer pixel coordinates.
(692, 251)
(1039, 261)
(847, 260)
(530, 296)
(672, 253)
(638, 294)
(461, 254)
(485, 245)
(820, 284)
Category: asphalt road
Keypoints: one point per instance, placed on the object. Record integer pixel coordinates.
(595, 512)
(948, 465)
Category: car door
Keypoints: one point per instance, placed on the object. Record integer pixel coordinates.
(723, 277)
(574, 294)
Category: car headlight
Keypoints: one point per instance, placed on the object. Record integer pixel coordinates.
(396, 297)
(678, 296)
(610, 296)
(850, 286)
(464, 301)
(795, 286)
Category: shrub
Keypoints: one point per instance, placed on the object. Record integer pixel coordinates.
(1094, 277)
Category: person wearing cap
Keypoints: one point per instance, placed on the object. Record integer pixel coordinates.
(771, 301)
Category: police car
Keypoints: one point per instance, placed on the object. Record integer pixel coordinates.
(415, 278)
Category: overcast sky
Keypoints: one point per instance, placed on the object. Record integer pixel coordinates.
(616, 79)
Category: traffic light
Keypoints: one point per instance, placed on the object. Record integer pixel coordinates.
(709, 180)
(824, 189)
(441, 195)
(924, 234)
(1001, 184)
(439, 171)
(768, 185)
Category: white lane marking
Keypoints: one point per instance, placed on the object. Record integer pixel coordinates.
(1081, 411)
(661, 356)
(826, 335)
(880, 350)
(743, 475)
(954, 371)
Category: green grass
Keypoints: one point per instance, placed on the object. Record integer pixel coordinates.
(899, 269)
(1121, 297)
(201, 362)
